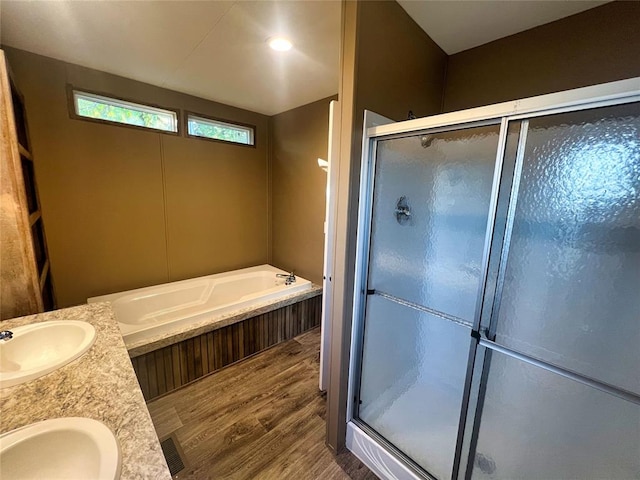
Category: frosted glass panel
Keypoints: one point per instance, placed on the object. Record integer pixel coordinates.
(434, 256)
(539, 425)
(413, 372)
(572, 286)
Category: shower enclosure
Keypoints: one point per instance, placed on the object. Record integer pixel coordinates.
(496, 323)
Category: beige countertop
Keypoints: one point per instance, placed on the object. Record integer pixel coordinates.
(101, 385)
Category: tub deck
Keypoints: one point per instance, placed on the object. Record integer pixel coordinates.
(174, 311)
(216, 322)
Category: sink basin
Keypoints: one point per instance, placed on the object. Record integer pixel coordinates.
(40, 348)
(60, 448)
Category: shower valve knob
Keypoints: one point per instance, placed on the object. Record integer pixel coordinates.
(402, 211)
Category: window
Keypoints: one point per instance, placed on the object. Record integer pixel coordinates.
(218, 130)
(89, 105)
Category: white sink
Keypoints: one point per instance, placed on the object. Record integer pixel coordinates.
(40, 348)
(60, 448)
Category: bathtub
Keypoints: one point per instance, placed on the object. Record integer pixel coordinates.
(150, 312)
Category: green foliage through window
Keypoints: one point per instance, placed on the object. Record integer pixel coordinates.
(112, 110)
(204, 127)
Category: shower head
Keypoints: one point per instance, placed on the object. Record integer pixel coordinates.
(426, 140)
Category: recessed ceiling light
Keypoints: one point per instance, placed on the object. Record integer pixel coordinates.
(280, 44)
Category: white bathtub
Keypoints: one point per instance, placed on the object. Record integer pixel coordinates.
(150, 312)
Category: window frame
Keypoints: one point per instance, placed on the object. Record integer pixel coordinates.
(188, 113)
(75, 116)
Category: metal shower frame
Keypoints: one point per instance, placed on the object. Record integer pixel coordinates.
(361, 439)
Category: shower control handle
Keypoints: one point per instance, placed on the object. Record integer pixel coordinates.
(402, 211)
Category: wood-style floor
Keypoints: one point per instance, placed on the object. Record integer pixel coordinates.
(262, 418)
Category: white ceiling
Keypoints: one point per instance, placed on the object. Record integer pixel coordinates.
(459, 25)
(217, 49)
(211, 49)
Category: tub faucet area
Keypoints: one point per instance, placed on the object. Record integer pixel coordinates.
(289, 277)
(6, 335)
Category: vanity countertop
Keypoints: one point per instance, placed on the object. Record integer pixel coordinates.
(101, 385)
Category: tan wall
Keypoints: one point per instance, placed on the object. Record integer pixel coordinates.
(298, 188)
(389, 66)
(125, 208)
(596, 46)
(398, 67)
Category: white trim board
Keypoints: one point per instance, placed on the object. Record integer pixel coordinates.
(333, 155)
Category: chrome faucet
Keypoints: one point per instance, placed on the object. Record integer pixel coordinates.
(289, 277)
(6, 335)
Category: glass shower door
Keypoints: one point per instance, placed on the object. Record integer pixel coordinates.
(561, 390)
(431, 202)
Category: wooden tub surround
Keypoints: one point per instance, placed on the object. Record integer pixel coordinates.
(170, 367)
